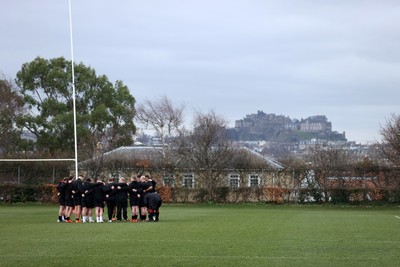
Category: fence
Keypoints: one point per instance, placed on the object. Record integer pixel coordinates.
(33, 172)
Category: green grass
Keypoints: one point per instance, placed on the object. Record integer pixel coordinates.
(198, 235)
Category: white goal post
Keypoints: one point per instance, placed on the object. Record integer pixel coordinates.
(24, 160)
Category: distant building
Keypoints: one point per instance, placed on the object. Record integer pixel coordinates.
(127, 161)
(280, 128)
(315, 124)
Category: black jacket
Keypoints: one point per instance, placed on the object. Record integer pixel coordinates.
(134, 189)
(152, 201)
(110, 190)
(122, 192)
(68, 190)
(99, 192)
(77, 187)
(87, 189)
(61, 188)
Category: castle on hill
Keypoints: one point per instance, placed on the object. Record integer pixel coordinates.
(279, 128)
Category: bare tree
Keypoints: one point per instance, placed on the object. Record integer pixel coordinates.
(163, 117)
(327, 164)
(390, 145)
(207, 151)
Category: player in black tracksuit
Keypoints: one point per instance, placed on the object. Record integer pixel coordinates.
(87, 200)
(99, 196)
(153, 203)
(153, 184)
(61, 199)
(111, 200)
(134, 190)
(78, 191)
(146, 187)
(69, 200)
(122, 199)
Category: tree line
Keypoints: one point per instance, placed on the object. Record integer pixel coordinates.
(36, 121)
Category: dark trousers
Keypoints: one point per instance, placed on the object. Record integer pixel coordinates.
(122, 208)
(110, 208)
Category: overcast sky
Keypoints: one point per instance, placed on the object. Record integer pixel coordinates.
(297, 58)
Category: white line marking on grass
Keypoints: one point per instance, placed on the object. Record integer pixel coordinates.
(398, 217)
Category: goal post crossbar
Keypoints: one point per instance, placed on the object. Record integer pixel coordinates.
(25, 160)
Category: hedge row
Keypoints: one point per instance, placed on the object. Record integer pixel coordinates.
(25, 193)
(48, 194)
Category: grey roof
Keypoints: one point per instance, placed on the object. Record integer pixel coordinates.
(131, 150)
(153, 152)
(272, 162)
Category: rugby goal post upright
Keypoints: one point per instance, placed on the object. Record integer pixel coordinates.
(73, 90)
(75, 159)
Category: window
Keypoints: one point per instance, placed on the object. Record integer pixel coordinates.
(115, 175)
(254, 180)
(188, 180)
(169, 180)
(234, 181)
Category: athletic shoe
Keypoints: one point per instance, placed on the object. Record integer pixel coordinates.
(110, 221)
(69, 221)
(114, 219)
(78, 221)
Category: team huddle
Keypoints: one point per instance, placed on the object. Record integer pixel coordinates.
(80, 197)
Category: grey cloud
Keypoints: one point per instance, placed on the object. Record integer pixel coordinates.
(296, 58)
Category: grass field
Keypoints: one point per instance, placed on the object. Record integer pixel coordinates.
(198, 235)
